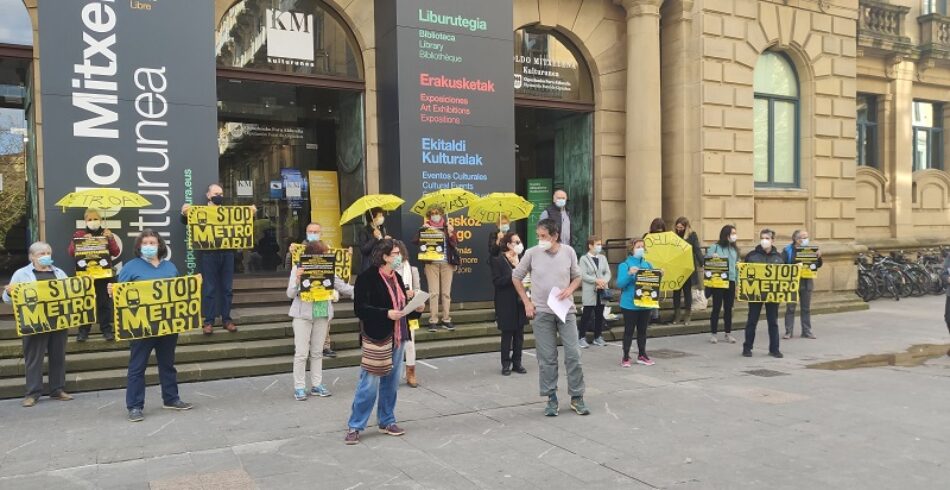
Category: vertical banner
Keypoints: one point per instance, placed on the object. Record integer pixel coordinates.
(157, 308)
(647, 292)
(48, 306)
(92, 257)
(128, 97)
(431, 245)
(716, 273)
(539, 194)
(325, 205)
(808, 257)
(445, 113)
(768, 283)
(316, 284)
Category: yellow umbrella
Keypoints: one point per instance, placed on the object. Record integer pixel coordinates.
(489, 208)
(103, 198)
(451, 200)
(673, 255)
(387, 202)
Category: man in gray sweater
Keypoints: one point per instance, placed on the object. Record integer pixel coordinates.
(553, 265)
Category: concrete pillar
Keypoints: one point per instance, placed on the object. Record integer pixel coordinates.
(642, 141)
(900, 161)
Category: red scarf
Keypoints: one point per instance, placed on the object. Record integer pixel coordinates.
(398, 298)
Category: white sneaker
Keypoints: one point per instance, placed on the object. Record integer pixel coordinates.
(582, 343)
(729, 338)
(713, 339)
(600, 342)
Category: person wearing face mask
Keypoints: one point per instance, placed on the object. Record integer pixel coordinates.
(805, 288)
(370, 235)
(559, 213)
(553, 264)
(495, 237)
(93, 228)
(410, 278)
(509, 310)
(764, 253)
(217, 269)
(595, 276)
(439, 273)
(36, 346)
(150, 264)
(380, 295)
(634, 317)
(683, 230)
(311, 323)
(723, 299)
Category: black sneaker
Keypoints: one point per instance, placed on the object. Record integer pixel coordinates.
(433, 327)
(519, 369)
(135, 415)
(82, 336)
(329, 353)
(746, 353)
(776, 354)
(448, 326)
(179, 405)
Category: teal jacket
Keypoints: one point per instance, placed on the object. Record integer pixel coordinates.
(628, 283)
(727, 253)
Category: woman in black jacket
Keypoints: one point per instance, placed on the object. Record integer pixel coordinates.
(509, 310)
(378, 299)
(684, 231)
(370, 235)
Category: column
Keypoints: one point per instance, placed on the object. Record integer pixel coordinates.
(900, 165)
(642, 142)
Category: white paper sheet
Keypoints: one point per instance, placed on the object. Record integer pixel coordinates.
(559, 307)
(418, 300)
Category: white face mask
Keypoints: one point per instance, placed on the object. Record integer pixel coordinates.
(436, 218)
(544, 244)
(733, 238)
(804, 242)
(598, 249)
(766, 243)
(518, 248)
(380, 220)
(93, 224)
(504, 227)
(560, 202)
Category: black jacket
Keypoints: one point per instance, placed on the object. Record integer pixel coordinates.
(493, 248)
(371, 303)
(366, 243)
(693, 241)
(509, 310)
(758, 256)
(554, 213)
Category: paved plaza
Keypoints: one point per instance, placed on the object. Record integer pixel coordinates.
(702, 417)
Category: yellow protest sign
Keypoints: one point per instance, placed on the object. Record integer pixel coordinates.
(316, 284)
(58, 304)
(716, 273)
(647, 292)
(431, 244)
(221, 227)
(343, 263)
(808, 257)
(768, 283)
(92, 257)
(156, 308)
(325, 205)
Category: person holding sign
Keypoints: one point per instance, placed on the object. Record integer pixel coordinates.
(509, 310)
(799, 251)
(94, 228)
(635, 317)
(595, 275)
(39, 345)
(410, 277)
(311, 322)
(380, 298)
(724, 297)
(495, 237)
(371, 235)
(553, 265)
(149, 264)
(764, 253)
(437, 241)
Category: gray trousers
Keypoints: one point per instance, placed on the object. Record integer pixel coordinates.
(546, 328)
(35, 347)
(804, 299)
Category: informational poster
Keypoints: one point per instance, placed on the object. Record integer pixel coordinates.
(48, 306)
(768, 283)
(716, 273)
(343, 260)
(221, 227)
(647, 292)
(157, 308)
(539, 194)
(431, 245)
(128, 91)
(808, 257)
(92, 257)
(325, 205)
(295, 187)
(316, 284)
(443, 70)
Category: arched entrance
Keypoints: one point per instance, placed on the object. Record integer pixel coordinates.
(17, 157)
(554, 108)
(290, 121)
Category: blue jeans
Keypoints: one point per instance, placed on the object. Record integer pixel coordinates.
(167, 375)
(366, 395)
(217, 278)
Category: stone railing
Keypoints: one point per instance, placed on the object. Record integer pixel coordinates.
(934, 35)
(881, 26)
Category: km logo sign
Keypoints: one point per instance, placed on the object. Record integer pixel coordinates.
(290, 35)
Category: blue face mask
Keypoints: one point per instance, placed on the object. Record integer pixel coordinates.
(397, 262)
(313, 237)
(560, 202)
(46, 260)
(638, 253)
(149, 251)
(598, 249)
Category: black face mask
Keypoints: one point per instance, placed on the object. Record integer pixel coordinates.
(681, 233)
(217, 200)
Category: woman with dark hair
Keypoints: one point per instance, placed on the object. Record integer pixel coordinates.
(683, 230)
(150, 264)
(635, 318)
(656, 226)
(725, 248)
(509, 310)
(370, 235)
(380, 296)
